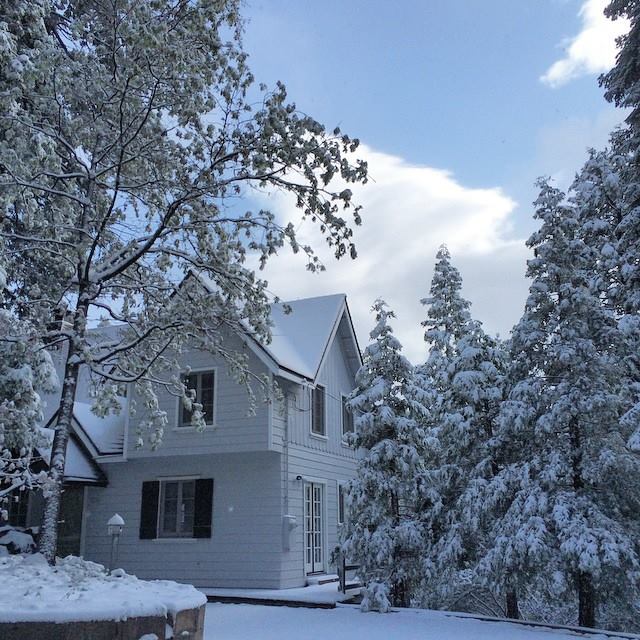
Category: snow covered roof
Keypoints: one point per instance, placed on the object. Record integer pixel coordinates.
(106, 434)
(301, 338)
(79, 464)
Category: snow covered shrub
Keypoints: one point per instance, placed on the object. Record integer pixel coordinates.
(17, 540)
(376, 598)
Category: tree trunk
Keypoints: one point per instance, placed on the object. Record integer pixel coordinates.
(400, 594)
(586, 600)
(511, 601)
(49, 538)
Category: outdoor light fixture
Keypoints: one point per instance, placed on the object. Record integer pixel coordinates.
(114, 527)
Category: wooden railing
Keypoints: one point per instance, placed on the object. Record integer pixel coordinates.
(343, 568)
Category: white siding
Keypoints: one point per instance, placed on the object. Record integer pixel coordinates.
(327, 460)
(245, 547)
(234, 429)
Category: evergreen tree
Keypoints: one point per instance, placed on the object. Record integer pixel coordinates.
(565, 499)
(622, 82)
(383, 533)
(617, 187)
(463, 376)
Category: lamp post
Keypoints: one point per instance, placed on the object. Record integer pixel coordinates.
(114, 527)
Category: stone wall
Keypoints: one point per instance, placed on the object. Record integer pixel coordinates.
(187, 625)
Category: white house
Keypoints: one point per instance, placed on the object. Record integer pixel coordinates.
(254, 501)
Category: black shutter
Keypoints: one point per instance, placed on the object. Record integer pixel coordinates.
(149, 510)
(203, 508)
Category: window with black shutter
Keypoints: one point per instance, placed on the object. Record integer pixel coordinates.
(318, 426)
(176, 508)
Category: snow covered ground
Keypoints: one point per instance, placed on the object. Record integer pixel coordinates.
(346, 622)
(31, 590)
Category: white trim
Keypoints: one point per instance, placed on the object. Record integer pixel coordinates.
(171, 478)
(177, 426)
(270, 402)
(109, 458)
(127, 420)
(325, 522)
(166, 539)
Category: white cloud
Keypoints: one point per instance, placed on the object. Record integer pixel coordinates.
(408, 211)
(592, 51)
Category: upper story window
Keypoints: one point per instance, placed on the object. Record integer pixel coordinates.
(203, 383)
(347, 418)
(318, 422)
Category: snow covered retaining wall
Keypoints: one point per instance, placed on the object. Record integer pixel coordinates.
(76, 600)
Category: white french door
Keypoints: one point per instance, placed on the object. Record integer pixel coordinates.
(313, 527)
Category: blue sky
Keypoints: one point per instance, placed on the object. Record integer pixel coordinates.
(457, 119)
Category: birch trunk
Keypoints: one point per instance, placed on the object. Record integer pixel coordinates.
(50, 521)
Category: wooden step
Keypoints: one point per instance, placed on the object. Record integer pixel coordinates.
(322, 578)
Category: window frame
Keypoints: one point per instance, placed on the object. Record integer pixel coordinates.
(17, 508)
(314, 433)
(187, 426)
(160, 532)
(341, 506)
(343, 410)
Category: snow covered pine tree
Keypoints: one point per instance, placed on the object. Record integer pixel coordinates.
(617, 185)
(383, 533)
(565, 499)
(464, 379)
(126, 136)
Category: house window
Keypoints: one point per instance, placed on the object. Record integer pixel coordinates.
(203, 383)
(341, 512)
(177, 498)
(347, 418)
(176, 508)
(17, 508)
(318, 426)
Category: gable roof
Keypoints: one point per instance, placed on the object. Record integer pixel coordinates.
(79, 464)
(301, 338)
